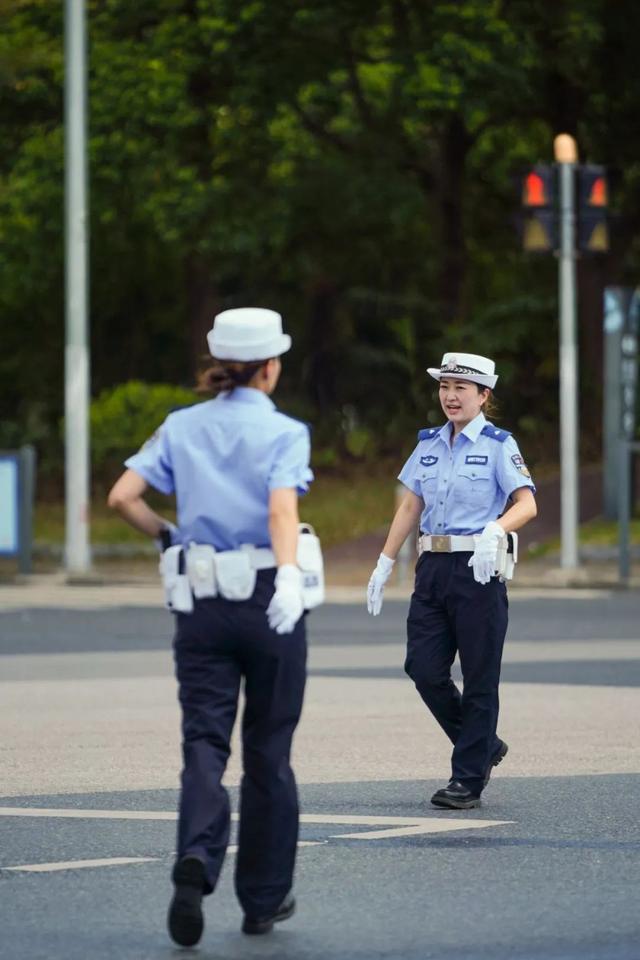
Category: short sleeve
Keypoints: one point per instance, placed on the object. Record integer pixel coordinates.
(409, 473)
(291, 465)
(153, 461)
(511, 470)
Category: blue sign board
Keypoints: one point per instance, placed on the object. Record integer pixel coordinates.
(9, 505)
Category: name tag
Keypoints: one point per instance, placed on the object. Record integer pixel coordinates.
(477, 458)
(428, 461)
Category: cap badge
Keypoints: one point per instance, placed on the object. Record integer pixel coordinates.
(451, 363)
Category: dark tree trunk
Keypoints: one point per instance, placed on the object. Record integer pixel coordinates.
(456, 144)
(591, 281)
(322, 346)
(202, 304)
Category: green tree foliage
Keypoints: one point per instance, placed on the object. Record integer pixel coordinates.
(125, 417)
(351, 163)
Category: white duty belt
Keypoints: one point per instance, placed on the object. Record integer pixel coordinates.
(200, 571)
(506, 559)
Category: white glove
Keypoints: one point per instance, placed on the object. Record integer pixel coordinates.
(173, 532)
(485, 556)
(378, 579)
(286, 605)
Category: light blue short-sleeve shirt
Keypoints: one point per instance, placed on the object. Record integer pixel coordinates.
(222, 458)
(467, 485)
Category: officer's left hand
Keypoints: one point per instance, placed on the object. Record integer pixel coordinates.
(375, 588)
(286, 605)
(485, 556)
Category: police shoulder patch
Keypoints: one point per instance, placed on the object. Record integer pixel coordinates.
(428, 433)
(495, 433)
(520, 465)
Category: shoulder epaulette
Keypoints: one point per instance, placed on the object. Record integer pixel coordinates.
(495, 433)
(428, 433)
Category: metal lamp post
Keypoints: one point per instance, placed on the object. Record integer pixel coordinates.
(77, 554)
(566, 156)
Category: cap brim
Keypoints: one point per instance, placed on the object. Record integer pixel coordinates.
(483, 380)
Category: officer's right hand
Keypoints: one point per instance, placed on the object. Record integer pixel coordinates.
(286, 605)
(378, 579)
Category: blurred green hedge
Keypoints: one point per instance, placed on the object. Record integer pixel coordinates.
(123, 417)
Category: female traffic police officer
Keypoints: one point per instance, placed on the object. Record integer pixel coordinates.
(236, 466)
(459, 479)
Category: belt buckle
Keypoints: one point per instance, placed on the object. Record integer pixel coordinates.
(441, 544)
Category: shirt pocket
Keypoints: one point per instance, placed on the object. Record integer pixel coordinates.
(429, 486)
(473, 485)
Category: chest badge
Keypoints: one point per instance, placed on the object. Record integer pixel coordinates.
(477, 458)
(428, 461)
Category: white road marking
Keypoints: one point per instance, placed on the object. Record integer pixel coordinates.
(427, 825)
(79, 864)
(75, 814)
(399, 826)
(396, 826)
(117, 861)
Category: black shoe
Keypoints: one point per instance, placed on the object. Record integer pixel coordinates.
(497, 757)
(257, 925)
(185, 911)
(455, 796)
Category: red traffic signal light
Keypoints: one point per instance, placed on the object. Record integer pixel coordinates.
(593, 198)
(539, 226)
(592, 187)
(538, 187)
(598, 196)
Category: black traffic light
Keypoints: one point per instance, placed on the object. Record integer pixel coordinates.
(593, 200)
(539, 222)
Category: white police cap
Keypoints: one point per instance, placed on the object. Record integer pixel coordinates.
(466, 366)
(246, 334)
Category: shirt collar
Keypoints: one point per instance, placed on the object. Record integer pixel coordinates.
(475, 427)
(472, 430)
(248, 395)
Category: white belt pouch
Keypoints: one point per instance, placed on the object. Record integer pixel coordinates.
(230, 574)
(235, 574)
(309, 558)
(201, 570)
(505, 561)
(177, 590)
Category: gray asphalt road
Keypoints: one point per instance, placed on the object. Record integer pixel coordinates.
(607, 616)
(550, 870)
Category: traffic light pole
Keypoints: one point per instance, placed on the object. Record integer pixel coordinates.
(77, 556)
(568, 370)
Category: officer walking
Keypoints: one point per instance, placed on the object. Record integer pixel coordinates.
(468, 486)
(236, 466)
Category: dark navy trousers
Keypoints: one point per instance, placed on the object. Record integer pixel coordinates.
(217, 646)
(450, 613)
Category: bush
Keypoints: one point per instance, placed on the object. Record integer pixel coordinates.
(123, 417)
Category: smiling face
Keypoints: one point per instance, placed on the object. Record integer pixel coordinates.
(461, 401)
